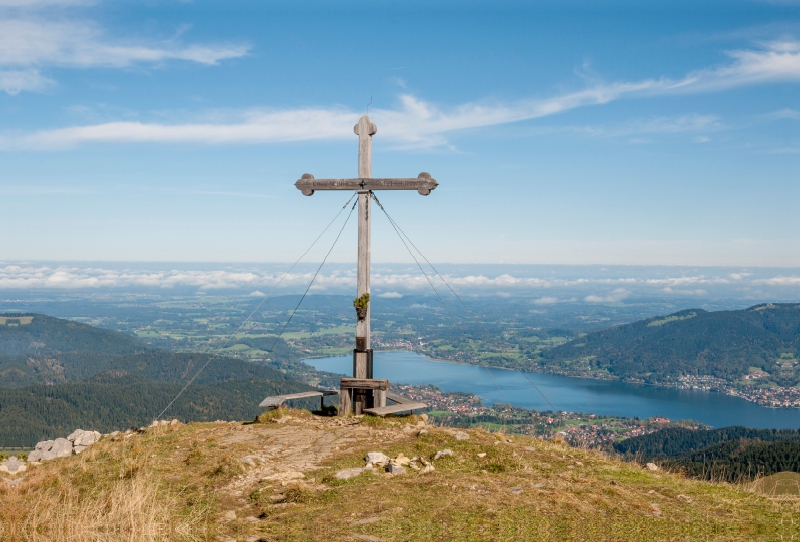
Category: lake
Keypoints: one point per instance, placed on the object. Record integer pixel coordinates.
(570, 394)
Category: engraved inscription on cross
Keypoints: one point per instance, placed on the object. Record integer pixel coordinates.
(364, 184)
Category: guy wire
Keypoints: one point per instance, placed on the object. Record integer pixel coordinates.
(272, 348)
(228, 340)
(434, 288)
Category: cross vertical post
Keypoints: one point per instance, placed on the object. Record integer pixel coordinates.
(362, 356)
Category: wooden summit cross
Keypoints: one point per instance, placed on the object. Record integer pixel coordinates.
(362, 391)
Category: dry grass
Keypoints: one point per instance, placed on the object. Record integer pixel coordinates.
(108, 493)
(178, 484)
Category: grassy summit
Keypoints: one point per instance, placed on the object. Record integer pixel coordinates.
(277, 481)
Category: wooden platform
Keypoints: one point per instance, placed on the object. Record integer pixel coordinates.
(277, 400)
(394, 409)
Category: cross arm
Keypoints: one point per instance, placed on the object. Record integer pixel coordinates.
(423, 184)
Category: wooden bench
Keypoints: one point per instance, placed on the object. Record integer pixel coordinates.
(397, 398)
(276, 401)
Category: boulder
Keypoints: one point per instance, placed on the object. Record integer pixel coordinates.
(652, 466)
(395, 470)
(174, 422)
(35, 455)
(87, 437)
(461, 435)
(346, 474)
(401, 460)
(442, 453)
(427, 469)
(376, 458)
(74, 435)
(61, 447)
(79, 449)
(44, 445)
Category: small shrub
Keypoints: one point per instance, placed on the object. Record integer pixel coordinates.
(361, 302)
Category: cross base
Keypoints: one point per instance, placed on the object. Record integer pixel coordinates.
(359, 394)
(369, 395)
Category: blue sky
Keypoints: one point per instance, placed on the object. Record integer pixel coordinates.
(560, 132)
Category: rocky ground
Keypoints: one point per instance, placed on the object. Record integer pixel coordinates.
(296, 476)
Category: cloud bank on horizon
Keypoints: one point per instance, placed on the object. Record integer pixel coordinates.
(579, 283)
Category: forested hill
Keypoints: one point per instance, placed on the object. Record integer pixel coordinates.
(116, 401)
(724, 344)
(39, 349)
(38, 335)
(57, 375)
(727, 453)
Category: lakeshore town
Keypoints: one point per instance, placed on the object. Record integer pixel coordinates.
(767, 396)
(455, 409)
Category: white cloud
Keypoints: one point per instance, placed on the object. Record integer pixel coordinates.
(784, 114)
(15, 81)
(413, 123)
(391, 295)
(258, 126)
(774, 61)
(684, 281)
(546, 301)
(33, 42)
(614, 297)
(779, 281)
(656, 125)
(30, 44)
(256, 293)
